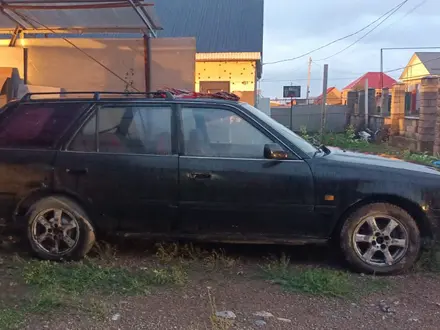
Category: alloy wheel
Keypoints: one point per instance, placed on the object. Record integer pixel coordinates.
(380, 240)
(55, 231)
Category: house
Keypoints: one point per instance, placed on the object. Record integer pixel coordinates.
(334, 97)
(229, 41)
(420, 65)
(376, 80)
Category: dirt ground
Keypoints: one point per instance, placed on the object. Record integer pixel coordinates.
(227, 281)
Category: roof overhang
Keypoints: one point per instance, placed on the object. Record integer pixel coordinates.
(244, 56)
(80, 16)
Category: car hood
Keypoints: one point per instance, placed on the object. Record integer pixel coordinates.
(367, 159)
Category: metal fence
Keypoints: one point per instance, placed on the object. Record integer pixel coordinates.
(309, 116)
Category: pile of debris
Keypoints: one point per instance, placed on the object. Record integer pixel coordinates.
(185, 94)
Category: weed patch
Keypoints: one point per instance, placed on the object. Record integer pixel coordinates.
(184, 254)
(429, 260)
(318, 281)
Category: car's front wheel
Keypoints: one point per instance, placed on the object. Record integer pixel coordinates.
(58, 229)
(380, 238)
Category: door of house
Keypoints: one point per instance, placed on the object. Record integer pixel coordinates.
(212, 87)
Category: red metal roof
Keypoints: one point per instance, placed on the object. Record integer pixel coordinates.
(374, 81)
(319, 98)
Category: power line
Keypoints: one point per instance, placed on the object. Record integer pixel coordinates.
(407, 14)
(85, 53)
(337, 40)
(410, 66)
(303, 79)
(366, 34)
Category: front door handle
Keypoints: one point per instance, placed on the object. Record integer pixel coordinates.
(199, 176)
(77, 171)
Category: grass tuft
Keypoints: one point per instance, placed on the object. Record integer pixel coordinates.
(184, 254)
(429, 260)
(318, 281)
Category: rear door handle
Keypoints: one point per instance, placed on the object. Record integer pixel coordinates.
(199, 176)
(77, 171)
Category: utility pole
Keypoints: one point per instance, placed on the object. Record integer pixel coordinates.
(366, 103)
(291, 111)
(309, 73)
(324, 100)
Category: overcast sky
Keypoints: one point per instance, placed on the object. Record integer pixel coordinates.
(292, 28)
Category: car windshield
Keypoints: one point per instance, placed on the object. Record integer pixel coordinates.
(302, 144)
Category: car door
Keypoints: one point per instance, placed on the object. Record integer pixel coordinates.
(122, 161)
(227, 186)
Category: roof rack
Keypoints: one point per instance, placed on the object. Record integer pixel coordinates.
(98, 95)
(166, 93)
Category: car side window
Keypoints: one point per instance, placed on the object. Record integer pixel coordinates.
(127, 130)
(37, 125)
(210, 132)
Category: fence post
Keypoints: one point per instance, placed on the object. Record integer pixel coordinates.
(397, 107)
(324, 100)
(428, 113)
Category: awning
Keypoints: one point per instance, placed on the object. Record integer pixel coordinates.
(114, 16)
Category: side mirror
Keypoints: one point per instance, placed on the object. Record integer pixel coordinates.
(274, 151)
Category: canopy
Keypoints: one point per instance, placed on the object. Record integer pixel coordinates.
(114, 16)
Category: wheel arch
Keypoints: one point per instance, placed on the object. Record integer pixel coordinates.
(33, 197)
(413, 209)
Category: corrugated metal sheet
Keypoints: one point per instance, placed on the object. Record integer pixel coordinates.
(431, 61)
(220, 26)
(111, 19)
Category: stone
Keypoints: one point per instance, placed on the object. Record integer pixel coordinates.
(284, 320)
(260, 323)
(116, 317)
(226, 315)
(264, 315)
(385, 308)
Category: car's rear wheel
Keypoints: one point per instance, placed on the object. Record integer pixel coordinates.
(58, 229)
(380, 238)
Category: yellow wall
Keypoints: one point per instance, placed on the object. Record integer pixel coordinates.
(414, 71)
(240, 74)
(334, 97)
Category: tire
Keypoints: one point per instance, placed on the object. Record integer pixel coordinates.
(57, 221)
(363, 247)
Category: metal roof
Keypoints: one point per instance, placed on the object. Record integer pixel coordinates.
(220, 26)
(77, 16)
(431, 61)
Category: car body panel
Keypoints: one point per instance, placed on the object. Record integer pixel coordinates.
(22, 173)
(352, 177)
(129, 192)
(249, 196)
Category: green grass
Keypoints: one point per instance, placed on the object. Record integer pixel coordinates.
(11, 318)
(319, 281)
(82, 277)
(53, 287)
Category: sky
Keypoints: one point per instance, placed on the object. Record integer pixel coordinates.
(292, 28)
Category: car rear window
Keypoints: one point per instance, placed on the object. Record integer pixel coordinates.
(38, 125)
